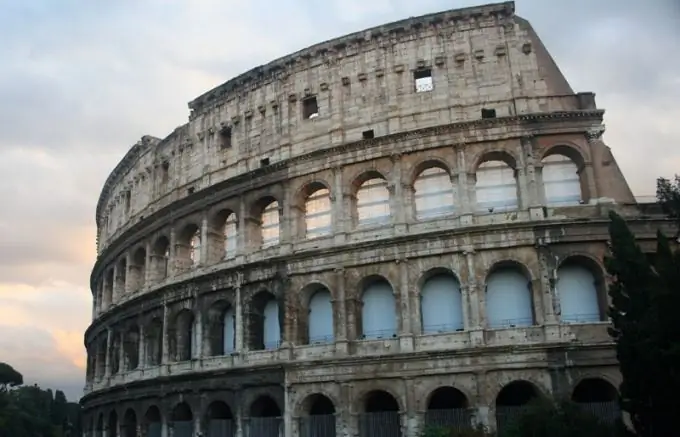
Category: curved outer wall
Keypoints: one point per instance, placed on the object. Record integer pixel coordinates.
(259, 261)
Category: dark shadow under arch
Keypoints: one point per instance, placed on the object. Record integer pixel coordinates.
(447, 407)
(380, 415)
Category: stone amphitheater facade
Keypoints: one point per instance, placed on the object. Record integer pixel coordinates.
(397, 228)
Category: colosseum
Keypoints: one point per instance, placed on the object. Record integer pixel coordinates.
(399, 228)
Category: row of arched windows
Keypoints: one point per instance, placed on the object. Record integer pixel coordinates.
(434, 195)
(380, 414)
(507, 300)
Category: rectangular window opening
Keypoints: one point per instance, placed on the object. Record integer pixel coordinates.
(225, 138)
(165, 175)
(191, 190)
(264, 162)
(310, 108)
(488, 113)
(368, 134)
(423, 80)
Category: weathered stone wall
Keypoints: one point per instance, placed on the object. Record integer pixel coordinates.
(479, 58)
(158, 300)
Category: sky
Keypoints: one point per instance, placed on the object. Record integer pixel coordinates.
(82, 81)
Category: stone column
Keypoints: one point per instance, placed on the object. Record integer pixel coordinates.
(238, 315)
(164, 425)
(198, 335)
(141, 347)
(95, 301)
(397, 207)
(165, 355)
(340, 307)
(594, 137)
(532, 191)
(204, 241)
(114, 286)
(475, 295)
(147, 266)
(107, 360)
(242, 240)
(549, 301)
(287, 412)
(121, 353)
(464, 197)
(172, 253)
(339, 216)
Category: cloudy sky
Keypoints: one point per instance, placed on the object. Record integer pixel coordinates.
(82, 80)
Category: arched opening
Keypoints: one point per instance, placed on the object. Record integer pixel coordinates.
(107, 293)
(99, 427)
(373, 202)
(380, 415)
(185, 344)
(101, 359)
(580, 292)
(121, 278)
(182, 420)
(188, 248)
(131, 348)
(318, 418)
(448, 409)
(378, 312)
(114, 354)
(152, 422)
(221, 328)
(112, 425)
(495, 187)
(509, 302)
(138, 270)
(434, 193)
(270, 219)
(266, 418)
(599, 398)
(230, 233)
(561, 181)
(317, 211)
(129, 424)
(441, 303)
(154, 342)
(320, 327)
(228, 330)
(512, 401)
(195, 248)
(220, 420)
(160, 256)
(223, 235)
(264, 322)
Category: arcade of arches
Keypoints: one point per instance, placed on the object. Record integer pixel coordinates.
(376, 413)
(225, 326)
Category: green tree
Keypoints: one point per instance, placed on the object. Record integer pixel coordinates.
(643, 310)
(9, 377)
(29, 411)
(561, 419)
(668, 195)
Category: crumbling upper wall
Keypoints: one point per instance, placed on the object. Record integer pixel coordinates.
(363, 83)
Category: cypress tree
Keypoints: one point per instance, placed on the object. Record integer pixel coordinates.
(645, 327)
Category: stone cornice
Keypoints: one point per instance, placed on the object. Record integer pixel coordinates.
(325, 51)
(352, 360)
(278, 171)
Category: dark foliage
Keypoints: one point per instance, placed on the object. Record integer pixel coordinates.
(644, 302)
(29, 411)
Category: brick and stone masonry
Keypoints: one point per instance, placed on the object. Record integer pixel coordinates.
(397, 228)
